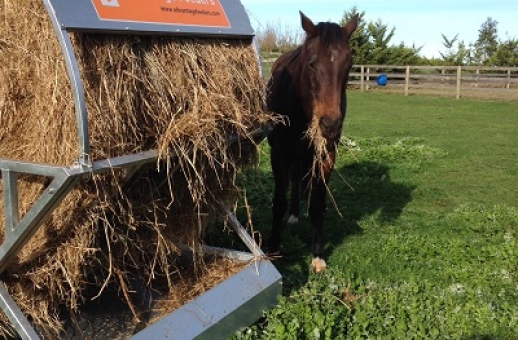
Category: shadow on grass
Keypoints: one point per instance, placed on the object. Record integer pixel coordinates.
(366, 189)
(360, 190)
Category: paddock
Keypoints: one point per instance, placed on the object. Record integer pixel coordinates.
(424, 241)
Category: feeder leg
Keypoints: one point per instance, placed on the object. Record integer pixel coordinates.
(15, 315)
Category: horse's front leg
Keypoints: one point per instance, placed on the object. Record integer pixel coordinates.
(295, 174)
(317, 212)
(281, 173)
(300, 176)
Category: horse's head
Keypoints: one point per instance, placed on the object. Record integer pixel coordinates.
(326, 60)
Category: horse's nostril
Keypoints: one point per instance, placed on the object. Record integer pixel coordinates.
(329, 125)
(325, 121)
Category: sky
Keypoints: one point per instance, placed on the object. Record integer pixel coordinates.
(417, 22)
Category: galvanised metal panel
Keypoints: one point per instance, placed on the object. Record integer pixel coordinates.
(187, 17)
(217, 314)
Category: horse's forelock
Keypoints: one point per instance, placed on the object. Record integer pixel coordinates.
(330, 34)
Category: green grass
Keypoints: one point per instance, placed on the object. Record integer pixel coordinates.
(423, 241)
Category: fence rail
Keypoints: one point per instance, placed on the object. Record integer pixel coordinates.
(436, 77)
(455, 80)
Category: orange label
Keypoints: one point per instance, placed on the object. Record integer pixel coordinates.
(208, 13)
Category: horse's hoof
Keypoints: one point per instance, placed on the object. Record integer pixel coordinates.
(318, 265)
(293, 219)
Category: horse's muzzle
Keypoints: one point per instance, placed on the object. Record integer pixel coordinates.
(330, 127)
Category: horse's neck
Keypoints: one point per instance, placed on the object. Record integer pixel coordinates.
(285, 61)
(284, 97)
(294, 67)
(293, 55)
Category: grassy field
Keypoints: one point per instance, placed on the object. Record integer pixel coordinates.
(423, 234)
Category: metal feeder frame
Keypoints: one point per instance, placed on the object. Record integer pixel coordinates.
(218, 313)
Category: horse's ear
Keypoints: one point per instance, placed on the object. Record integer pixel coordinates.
(351, 26)
(307, 25)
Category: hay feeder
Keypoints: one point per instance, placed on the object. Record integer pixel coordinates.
(233, 304)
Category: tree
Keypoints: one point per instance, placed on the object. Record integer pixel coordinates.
(380, 37)
(456, 52)
(506, 54)
(487, 42)
(371, 43)
(403, 55)
(448, 56)
(267, 38)
(360, 41)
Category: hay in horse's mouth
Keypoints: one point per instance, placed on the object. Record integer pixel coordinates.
(321, 150)
(322, 162)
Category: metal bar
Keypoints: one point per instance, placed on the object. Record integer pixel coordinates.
(241, 232)
(104, 165)
(77, 86)
(101, 166)
(30, 223)
(257, 50)
(231, 254)
(39, 169)
(126, 161)
(11, 212)
(15, 315)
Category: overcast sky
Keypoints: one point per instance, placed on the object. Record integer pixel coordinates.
(416, 22)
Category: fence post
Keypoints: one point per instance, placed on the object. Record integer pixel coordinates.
(407, 80)
(362, 78)
(459, 76)
(368, 78)
(509, 78)
(478, 77)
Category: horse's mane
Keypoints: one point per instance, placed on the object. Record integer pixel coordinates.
(330, 34)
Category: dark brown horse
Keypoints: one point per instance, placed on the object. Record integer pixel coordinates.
(308, 87)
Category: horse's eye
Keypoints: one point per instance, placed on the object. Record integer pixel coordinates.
(313, 65)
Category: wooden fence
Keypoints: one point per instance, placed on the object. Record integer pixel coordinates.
(451, 78)
(458, 81)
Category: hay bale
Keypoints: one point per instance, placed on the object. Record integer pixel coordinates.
(179, 96)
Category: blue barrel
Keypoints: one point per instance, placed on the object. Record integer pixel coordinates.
(382, 80)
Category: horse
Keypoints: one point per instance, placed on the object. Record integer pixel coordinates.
(308, 89)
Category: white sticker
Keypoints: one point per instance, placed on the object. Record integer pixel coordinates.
(110, 3)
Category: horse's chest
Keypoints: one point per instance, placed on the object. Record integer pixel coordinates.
(289, 141)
